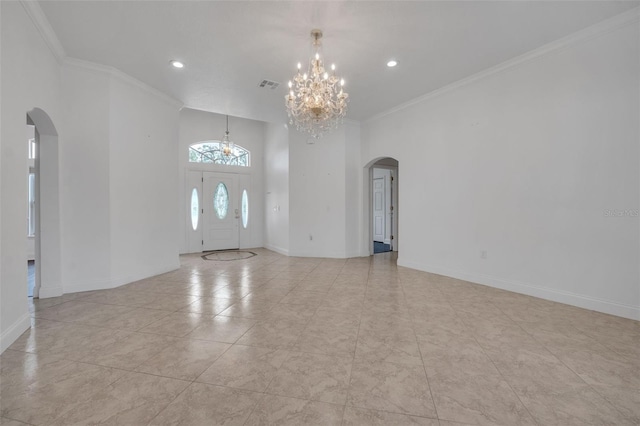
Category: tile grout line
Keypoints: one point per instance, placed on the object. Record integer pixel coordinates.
(355, 350)
(502, 376)
(424, 367)
(572, 370)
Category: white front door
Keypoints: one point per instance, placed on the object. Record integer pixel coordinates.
(391, 223)
(379, 219)
(220, 211)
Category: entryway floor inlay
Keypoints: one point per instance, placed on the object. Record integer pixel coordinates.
(227, 255)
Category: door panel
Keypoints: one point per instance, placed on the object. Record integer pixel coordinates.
(378, 210)
(379, 227)
(221, 211)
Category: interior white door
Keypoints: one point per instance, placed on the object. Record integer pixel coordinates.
(388, 207)
(221, 211)
(392, 210)
(379, 221)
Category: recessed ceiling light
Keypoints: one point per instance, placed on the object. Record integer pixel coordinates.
(392, 63)
(177, 64)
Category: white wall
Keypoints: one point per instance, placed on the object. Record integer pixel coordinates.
(317, 195)
(84, 176)
(197, 126)
(353, 183)
(276, 182)
(30, 78)
(120, 146)
(523, 163)
(314, 192)
(143, 182)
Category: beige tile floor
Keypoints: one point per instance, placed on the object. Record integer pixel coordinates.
(277, 340)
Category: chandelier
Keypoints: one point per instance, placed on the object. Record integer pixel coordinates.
(316, 102)
(227, 145)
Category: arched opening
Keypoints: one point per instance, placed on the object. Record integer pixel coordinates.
(31, 208)
(46, 206)
(381, 196)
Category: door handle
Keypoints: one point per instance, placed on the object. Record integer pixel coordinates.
(237, 214)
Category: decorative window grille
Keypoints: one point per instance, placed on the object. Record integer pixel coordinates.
(211, 152)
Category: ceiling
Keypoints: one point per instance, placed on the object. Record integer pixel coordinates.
(229, 47)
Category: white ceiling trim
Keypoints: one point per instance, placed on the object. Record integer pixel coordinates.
(116, 73)
(627, 18)
(45, 29)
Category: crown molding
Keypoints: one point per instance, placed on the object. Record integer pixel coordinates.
(43, 26)
(626, 18)
(116, 73)
(37, 16)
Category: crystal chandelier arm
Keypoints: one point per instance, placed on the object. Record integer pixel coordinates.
(316, 102)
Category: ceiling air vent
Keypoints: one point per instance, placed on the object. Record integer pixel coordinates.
(268, 84)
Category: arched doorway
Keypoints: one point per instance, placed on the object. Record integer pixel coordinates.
(47, 206)
(381, 205)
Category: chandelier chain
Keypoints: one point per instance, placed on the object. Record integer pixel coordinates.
(227, 145)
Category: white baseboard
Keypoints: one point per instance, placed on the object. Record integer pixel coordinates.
(107, 283)
(46, 292)
(560, 296)
(326, 255)
(357, 253)
(277, 249)
(14, 331)
(334, 255)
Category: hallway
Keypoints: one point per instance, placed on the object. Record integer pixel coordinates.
(31, 277)
(271, 339)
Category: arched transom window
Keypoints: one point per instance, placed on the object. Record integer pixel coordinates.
(211, 152)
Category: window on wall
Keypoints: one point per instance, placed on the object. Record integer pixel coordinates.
(31, 212)
(195, 208)
(221, 200)
(31, 188)
(211, 152)
(245, 209)
(32, 149)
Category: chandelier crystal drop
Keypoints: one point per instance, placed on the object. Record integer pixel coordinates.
(317, 102)
(227, 144)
